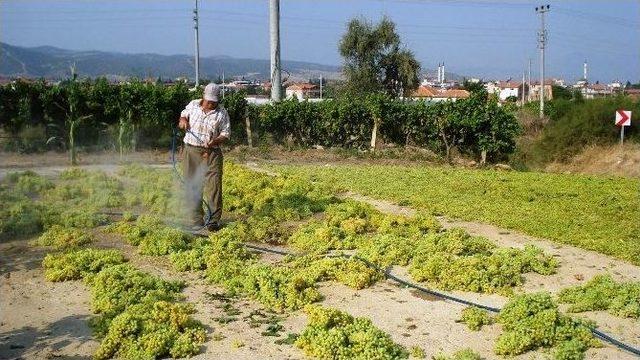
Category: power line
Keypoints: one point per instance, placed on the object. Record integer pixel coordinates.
(466, 3)
(608, 19)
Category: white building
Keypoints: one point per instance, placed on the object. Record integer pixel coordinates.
(302, 91)
(505, 89)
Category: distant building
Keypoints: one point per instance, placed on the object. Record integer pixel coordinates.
(302, 91)
(592, 91)
(432, 94)
(534, 94)
(266, 86)
(507, 89)
(633, 93)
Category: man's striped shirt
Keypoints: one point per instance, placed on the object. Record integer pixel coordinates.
(205, 126)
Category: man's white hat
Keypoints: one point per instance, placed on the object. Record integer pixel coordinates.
(211, 92)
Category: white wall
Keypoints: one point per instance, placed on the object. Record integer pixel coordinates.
(507, 92)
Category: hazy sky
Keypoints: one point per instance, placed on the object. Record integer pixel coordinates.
(475, 38)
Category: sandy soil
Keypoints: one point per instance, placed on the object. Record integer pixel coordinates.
(52, 158)
(40, 320)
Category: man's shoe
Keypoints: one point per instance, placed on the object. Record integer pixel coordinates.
(214, 226)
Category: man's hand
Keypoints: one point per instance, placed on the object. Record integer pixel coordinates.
(183, 124)
(216, 142)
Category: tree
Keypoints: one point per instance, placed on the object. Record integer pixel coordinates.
(560, 92)
(374, 59)
(473, 86)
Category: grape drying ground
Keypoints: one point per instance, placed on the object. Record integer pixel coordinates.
(92, 266)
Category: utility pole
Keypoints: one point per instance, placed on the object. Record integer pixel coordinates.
(529, 83)
(197, 55)
(274, 31)
(224, 84)
(523, 85)
(542, 40)
(320, 86)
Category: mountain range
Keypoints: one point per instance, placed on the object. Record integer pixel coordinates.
(54, 63)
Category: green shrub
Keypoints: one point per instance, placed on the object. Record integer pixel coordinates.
(577, 125)
(20, 216)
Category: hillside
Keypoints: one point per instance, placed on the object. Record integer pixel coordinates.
(53, 63)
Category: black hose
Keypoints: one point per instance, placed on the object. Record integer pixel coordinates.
(618, 343)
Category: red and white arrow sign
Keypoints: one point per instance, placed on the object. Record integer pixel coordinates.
(623, 118)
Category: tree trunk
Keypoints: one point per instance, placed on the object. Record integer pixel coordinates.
(133, 138)
(72, 143)
(247, 124)
(446, 146)
(374, 134)
(483, 157)
(121, 138)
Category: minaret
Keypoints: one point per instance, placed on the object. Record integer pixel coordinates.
(443, 77)
(584, 69)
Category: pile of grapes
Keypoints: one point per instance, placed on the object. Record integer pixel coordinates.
(140, 316)
(531, 321)
(604, 293)
(332, 334)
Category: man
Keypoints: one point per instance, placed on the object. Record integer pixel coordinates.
(207, 127)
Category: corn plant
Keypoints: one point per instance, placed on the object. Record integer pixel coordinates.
(69, 100)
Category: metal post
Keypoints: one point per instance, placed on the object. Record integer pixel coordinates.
(523, 85)
(197, 55)
(621, 135)
(274, 31)
(529, 83)
(542, 40)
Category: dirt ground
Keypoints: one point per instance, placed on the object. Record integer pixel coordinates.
(40, 320)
